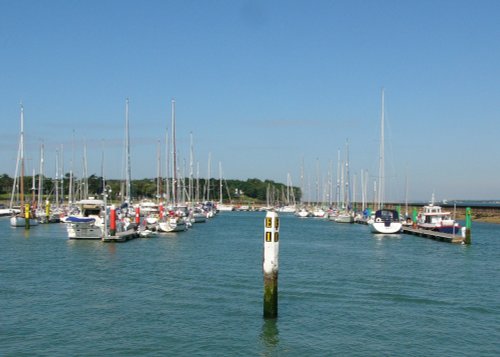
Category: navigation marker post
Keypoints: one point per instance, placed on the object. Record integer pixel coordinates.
(468, 225)
(27, 209)
(112, 221)
(270, 264)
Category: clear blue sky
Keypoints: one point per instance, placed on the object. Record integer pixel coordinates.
(262, 85)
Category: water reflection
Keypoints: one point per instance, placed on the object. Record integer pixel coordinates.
(269, 337)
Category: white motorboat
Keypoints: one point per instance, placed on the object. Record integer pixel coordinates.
(385, 221)
(89, 223)
(433, 217)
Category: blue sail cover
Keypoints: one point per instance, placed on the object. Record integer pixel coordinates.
(73, 219)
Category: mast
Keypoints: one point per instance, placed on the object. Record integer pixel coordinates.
(337, 193)
(302, 185)
(167, 169)
(21, 183)
(220, 182)
(70, 189)
(62, 173)
(174, 159)
(347, 177)
(191, 173)
(56, 183)
(158, 172)
(127, 156)
(381, 168)
(40, 177)
(197, 197)
(208, 178)
(85, 192)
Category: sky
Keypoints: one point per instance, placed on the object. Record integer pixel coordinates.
(265, 88)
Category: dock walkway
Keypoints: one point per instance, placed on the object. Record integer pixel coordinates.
(444, 237)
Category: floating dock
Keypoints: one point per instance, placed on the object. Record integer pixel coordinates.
(443, 237)
(121, 236)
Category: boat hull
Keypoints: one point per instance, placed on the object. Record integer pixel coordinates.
(341, 218)
(21, 222)
(170, 227)
(385, 227)
(83, 231)
(456, 229)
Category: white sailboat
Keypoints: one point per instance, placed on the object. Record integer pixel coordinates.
(19, 220)
(345, 215)
(222, 206)
(385, 221)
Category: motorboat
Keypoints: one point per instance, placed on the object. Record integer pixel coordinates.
(385, 221)
(432, 217)
(89, 222)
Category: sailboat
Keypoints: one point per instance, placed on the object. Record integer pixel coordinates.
(172, 222)
(385, 221)
(345, 215)
(222, 206)
(20, 220)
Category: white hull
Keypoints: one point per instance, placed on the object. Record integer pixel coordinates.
(226, 208)
(303, 214)
(344, 218)
(199, 218)
(21, 222)
(382, 227)
(172, 226)
(83, 231)
(4, 212)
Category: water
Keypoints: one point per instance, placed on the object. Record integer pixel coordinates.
(342, 291)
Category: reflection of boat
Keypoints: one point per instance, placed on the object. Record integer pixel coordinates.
(385, 221)
(88, 224)
(434, 218)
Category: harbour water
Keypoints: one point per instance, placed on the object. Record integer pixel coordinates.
(342, 291)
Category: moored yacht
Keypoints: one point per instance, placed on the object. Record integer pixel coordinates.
(88, 223)
(433, 217)
(385, 221)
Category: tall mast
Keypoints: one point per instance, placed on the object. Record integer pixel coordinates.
(381, 168)
(191, 173)
(40, 176)
(338, 179)
(167, 169)
(158, 172)
(85, 172)
(21, 145)
(209, 173)
(70, 189)
(220, 182)
(174, 158)
(56, 184)
(127, 156)
(347, 176)
(62, 172)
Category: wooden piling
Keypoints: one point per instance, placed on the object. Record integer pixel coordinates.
(270, 264)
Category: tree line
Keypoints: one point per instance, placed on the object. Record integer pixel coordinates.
(253, 189)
